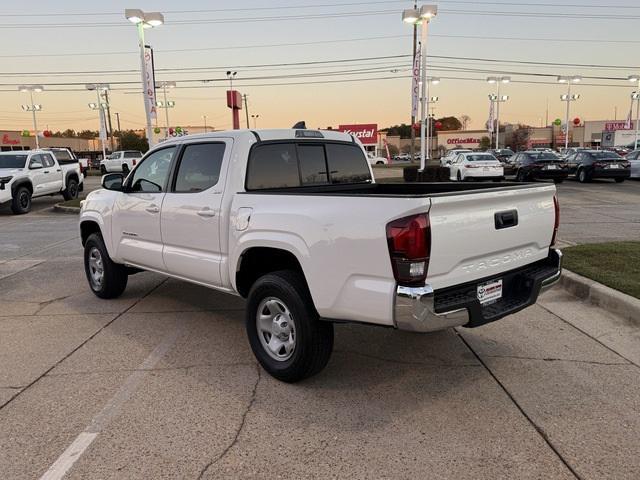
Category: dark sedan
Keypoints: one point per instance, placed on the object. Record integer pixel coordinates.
(536, 165)
(589, 164)
(502, 154)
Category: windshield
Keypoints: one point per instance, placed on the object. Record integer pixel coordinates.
(505, 151)
(113, 156)
(481, 158)
(13, 161)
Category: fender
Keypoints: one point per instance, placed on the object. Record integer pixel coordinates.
(96, 217)
(69, 176)
(282, 240)
(19, 183)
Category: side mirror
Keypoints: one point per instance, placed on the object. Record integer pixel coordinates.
(35, 165)
(448, 162)
(112, 181)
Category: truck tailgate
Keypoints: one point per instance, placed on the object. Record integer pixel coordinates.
(479, 234)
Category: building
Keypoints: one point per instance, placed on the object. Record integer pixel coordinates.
(471, 139)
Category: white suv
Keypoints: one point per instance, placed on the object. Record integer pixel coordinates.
(122, 161)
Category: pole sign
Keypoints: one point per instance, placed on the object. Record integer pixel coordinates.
(367, 133)
(415, 84)
(149, 82)
(103, 125)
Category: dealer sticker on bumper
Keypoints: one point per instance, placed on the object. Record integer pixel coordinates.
(490, 292)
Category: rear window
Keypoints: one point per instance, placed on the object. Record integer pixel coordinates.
(286, 165)
(132, 154)
(545, 156)
(480, 158)
(606, 156)
(199, 167)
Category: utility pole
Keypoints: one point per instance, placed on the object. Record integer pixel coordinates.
(106, 99)
(246, 109)
(119, 131)
(413, 117)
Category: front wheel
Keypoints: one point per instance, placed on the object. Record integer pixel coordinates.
(103, 170)
(459, 176)
(619, 180)
(125, 168)
(107, 279)
(21, 201)
(558, 180)
(284, 330)
(71, 192)
(520, 176)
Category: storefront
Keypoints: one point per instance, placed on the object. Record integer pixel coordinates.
(471, 139)
(15, 140)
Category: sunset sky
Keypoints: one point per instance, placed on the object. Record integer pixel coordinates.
(63, 45)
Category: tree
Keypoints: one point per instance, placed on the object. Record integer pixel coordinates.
(68, 133)
(130, 140)
(520, 138)
(393, 150)
(88, 134)
(465, 120)
(485, 143)
(450, 123)
(403, 131)
(406, 148)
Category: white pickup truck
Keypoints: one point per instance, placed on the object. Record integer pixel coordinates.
(293, 221)
(34, 173)
(122, 161)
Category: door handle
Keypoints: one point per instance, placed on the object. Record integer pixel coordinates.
(506, 219)
(152, 209)
(207, 212)
(46, 171)
(58, 170)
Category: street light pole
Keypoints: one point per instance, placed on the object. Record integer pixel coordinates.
(141, 20)
(255, 121)
(498, 99)
(205, 123)
(568, 98)
(636, 96)
(32, 107)
(35, 123)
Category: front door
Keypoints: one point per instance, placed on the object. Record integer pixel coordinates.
(136, 219)
(52, 174)
(190, 222)
(38, 177)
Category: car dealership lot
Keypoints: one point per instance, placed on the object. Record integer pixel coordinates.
(161, 382)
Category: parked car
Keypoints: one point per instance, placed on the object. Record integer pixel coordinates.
(66, 156)
(122, 161)
(589, 164)
(501, 154)
(622, 151)
(475, 166)
(536, 165)
(634, 162)
(376, 160)
(565, 152)
(450, 155)
(35, 173)
(402, 157)
(293, 221)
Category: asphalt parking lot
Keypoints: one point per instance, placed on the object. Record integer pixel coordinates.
(161, 383)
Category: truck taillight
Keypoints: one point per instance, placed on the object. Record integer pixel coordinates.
(409, 241)
(556, 223)
(134, 162)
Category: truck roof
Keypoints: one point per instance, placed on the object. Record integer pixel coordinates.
(270, 134)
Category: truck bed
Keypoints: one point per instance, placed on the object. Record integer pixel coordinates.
(407, 190)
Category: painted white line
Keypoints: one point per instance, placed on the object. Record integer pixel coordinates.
(74, 451)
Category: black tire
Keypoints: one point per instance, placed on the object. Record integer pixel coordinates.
(21, 201)
(125, 168)
(313, 337)
(520, 176)
(71, 192)
(114, 275)
(583, 177)
(103, 170)
(459, 176)
(619, 180)
(558, 180)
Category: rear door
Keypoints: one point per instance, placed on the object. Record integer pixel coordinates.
(136, 217)
(52, 174)
(476, 235)
(190, 220)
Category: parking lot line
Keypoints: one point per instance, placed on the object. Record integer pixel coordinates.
(74, 451)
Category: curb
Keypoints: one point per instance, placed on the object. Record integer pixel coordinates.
(602, 296)
(64, 209)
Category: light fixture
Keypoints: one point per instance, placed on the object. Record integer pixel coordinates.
(427, 12)
(31, 88)
(634, 78)
(134, 15)
(434, 80)
(169, 84)
(102, 87)
(569, 79)
(155, 19)
(635, 95)
(410, 16)
(433, 99)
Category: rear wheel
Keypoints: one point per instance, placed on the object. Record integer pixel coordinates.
(619, 180)
(558, 180)
(125, 168)
(71, 192)
(103, 170)
(21, 201)
(107, 279)
(520, 176)
(286, 335)
(583, 177)
(459, 176)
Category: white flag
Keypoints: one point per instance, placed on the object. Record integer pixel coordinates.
(415, 84)
(628, 124)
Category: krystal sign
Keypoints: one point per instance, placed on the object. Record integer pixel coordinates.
(366, 133)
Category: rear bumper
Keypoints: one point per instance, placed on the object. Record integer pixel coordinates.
(550, 174)
(611, 173)
(421, 309)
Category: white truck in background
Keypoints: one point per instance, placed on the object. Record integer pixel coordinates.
(122, 161)
(35, 173)
(293, 221)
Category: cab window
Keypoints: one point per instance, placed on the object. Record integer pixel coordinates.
(199, 167)
(152, 173)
